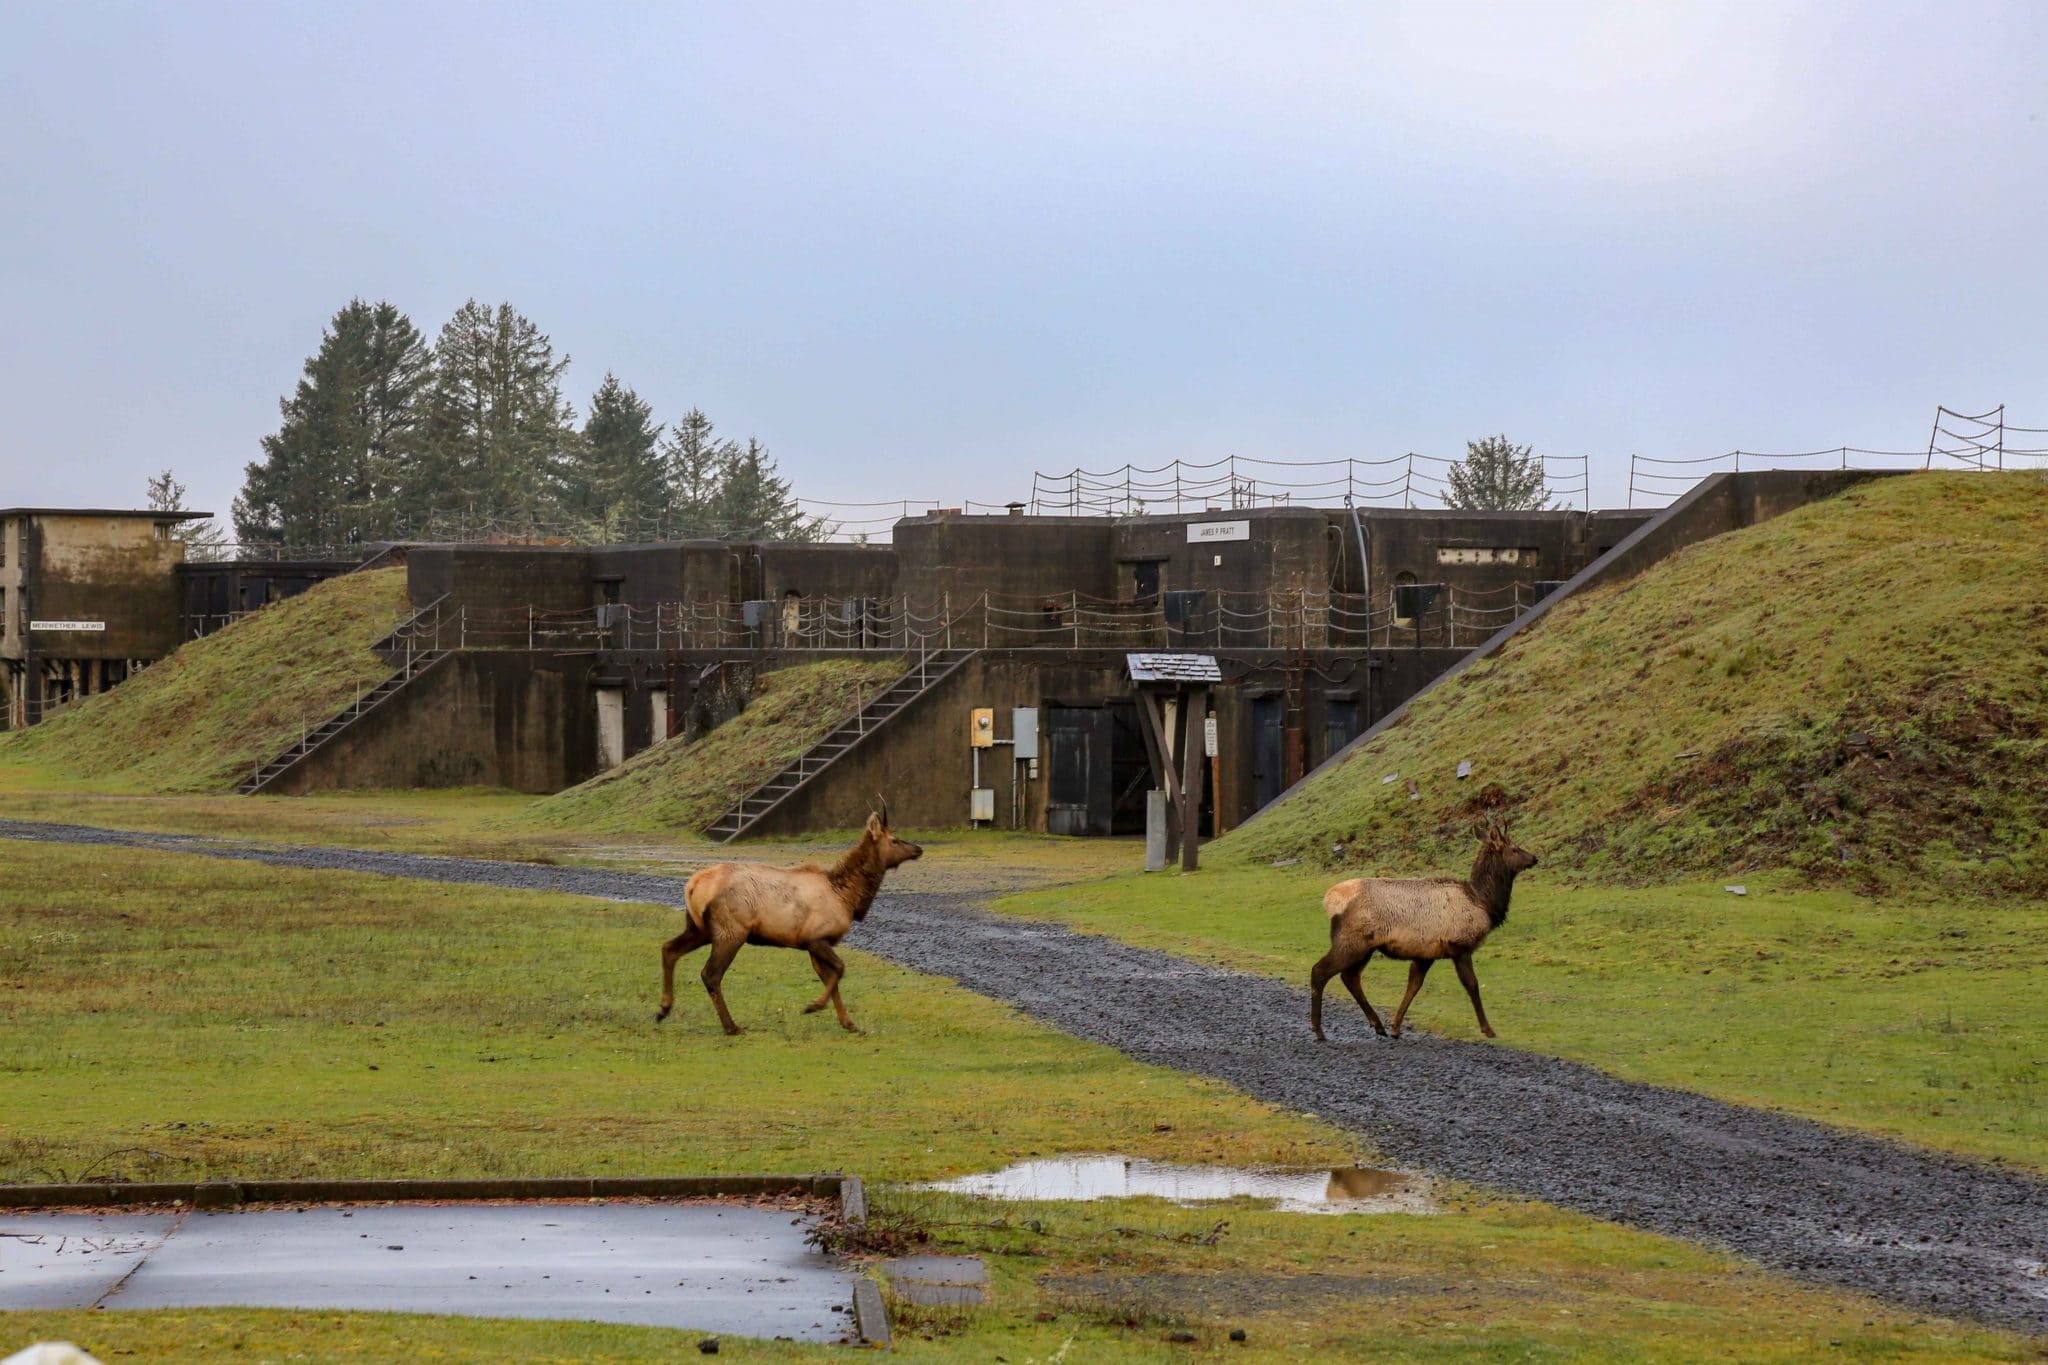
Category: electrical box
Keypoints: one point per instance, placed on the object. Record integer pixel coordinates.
(982, 727)
(981, 805)
(1024, 732)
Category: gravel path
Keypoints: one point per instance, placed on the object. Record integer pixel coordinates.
(1937, 1233)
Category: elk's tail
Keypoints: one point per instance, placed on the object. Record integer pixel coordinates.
(703, 888)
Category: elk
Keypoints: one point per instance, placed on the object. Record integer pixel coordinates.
(1420, 921)
(807, 907)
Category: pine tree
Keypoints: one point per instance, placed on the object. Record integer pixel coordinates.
(329, 472)
(753, 504)
(204, 540)
(1497, 476)
(500, 441)
(618, 481)
(696, 460)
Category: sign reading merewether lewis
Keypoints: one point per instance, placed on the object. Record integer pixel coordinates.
(67, 625)
(1202, 531)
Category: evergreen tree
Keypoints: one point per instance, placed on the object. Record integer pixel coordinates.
(1497, 476)
(619, 477)
(753, 504)
(204, 540)
(500, 441)
(696, 460)
(349, 430)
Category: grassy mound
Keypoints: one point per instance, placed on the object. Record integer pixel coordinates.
(200, 719)
(1855, 691)
(675, 785)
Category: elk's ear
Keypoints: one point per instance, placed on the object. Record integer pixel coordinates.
(874, 823)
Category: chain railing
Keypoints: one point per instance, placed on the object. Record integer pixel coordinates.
(1429, 615)
(1241, 482)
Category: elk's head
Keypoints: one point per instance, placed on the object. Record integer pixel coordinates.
(895, 852)
(1495, 845)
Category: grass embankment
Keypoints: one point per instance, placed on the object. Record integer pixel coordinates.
(202, 718)
(1857, 690)
(171, 1015)
(678, 786)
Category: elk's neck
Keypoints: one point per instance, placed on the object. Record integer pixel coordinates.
(857, 877)
(1491, 884)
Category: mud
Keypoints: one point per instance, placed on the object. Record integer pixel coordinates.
(1927, 1231)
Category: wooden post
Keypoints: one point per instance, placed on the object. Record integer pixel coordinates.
(1194, 707)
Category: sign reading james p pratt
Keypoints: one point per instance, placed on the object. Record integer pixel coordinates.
(1202, 532)
(67, 625)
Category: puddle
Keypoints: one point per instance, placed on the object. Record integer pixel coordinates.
(1352, 1189)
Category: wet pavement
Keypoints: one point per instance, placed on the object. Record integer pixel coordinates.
(1916, 1227)
(719, 1268)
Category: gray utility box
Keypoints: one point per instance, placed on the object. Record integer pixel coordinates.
(1024, 732)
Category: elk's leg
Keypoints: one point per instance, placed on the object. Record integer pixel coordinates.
(673, 951)
(1416, 971)
(1471, 980)
(830, 971)
(1357, 988)
(1319, 977)
(723, 951)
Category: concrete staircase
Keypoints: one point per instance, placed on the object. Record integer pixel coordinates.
(402, 647)
(926, 674)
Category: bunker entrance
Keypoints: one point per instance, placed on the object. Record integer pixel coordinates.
(1098, 772)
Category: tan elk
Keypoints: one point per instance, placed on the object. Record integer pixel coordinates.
(1420, 921)
(808, 907)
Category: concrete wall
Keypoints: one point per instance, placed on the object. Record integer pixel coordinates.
(923, 761)
(475, 720)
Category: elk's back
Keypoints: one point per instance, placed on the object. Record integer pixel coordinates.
(785, 905)
(1406, 917)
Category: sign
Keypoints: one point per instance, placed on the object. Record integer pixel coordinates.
(67, 625)
(1209, 736)
(1203, 532)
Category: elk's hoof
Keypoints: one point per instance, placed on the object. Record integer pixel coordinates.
(1489, 1033)
(812, 1009)
(661, 1014)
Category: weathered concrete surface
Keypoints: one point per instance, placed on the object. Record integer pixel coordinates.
(709, 1267)
(1916, 1227)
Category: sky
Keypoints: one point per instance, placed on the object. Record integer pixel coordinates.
(922, 250)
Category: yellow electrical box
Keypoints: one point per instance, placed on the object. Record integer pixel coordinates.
(983, 731)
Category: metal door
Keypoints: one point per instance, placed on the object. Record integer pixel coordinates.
(1269, 752)
(1079, 748)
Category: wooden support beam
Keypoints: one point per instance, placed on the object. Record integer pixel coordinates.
(1194, 707)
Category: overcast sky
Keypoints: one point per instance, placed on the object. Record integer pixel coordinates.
(921, 250)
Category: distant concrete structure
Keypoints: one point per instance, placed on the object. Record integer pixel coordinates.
(87, 595)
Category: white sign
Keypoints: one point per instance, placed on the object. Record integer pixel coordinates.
(1202, 532)
(67, 625)
(1209, 736)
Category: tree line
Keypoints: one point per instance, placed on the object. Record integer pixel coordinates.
(388, 437)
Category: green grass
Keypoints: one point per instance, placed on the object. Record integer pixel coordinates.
(676, 786)
(202, 718)
(1918, 1018)
(1857, 690)
(232, 1019)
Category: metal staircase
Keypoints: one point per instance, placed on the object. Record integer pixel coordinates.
(407, 647)
(929, 671)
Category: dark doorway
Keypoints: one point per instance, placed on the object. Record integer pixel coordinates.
(1269, 751)
(1146, 574)
(1080, 747)
(1340, 724)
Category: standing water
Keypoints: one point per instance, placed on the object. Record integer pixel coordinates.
(1351, 1189)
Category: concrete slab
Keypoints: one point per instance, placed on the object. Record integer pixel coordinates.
(56, 1261)
(719, 1268)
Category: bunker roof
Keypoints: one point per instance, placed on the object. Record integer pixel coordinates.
(143, 513)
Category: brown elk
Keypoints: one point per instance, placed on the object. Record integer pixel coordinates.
(1420, 921)
(808, 907)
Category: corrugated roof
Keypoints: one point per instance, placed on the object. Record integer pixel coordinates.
(1173, 668)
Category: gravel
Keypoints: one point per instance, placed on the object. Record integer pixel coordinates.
(1937, 1233)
